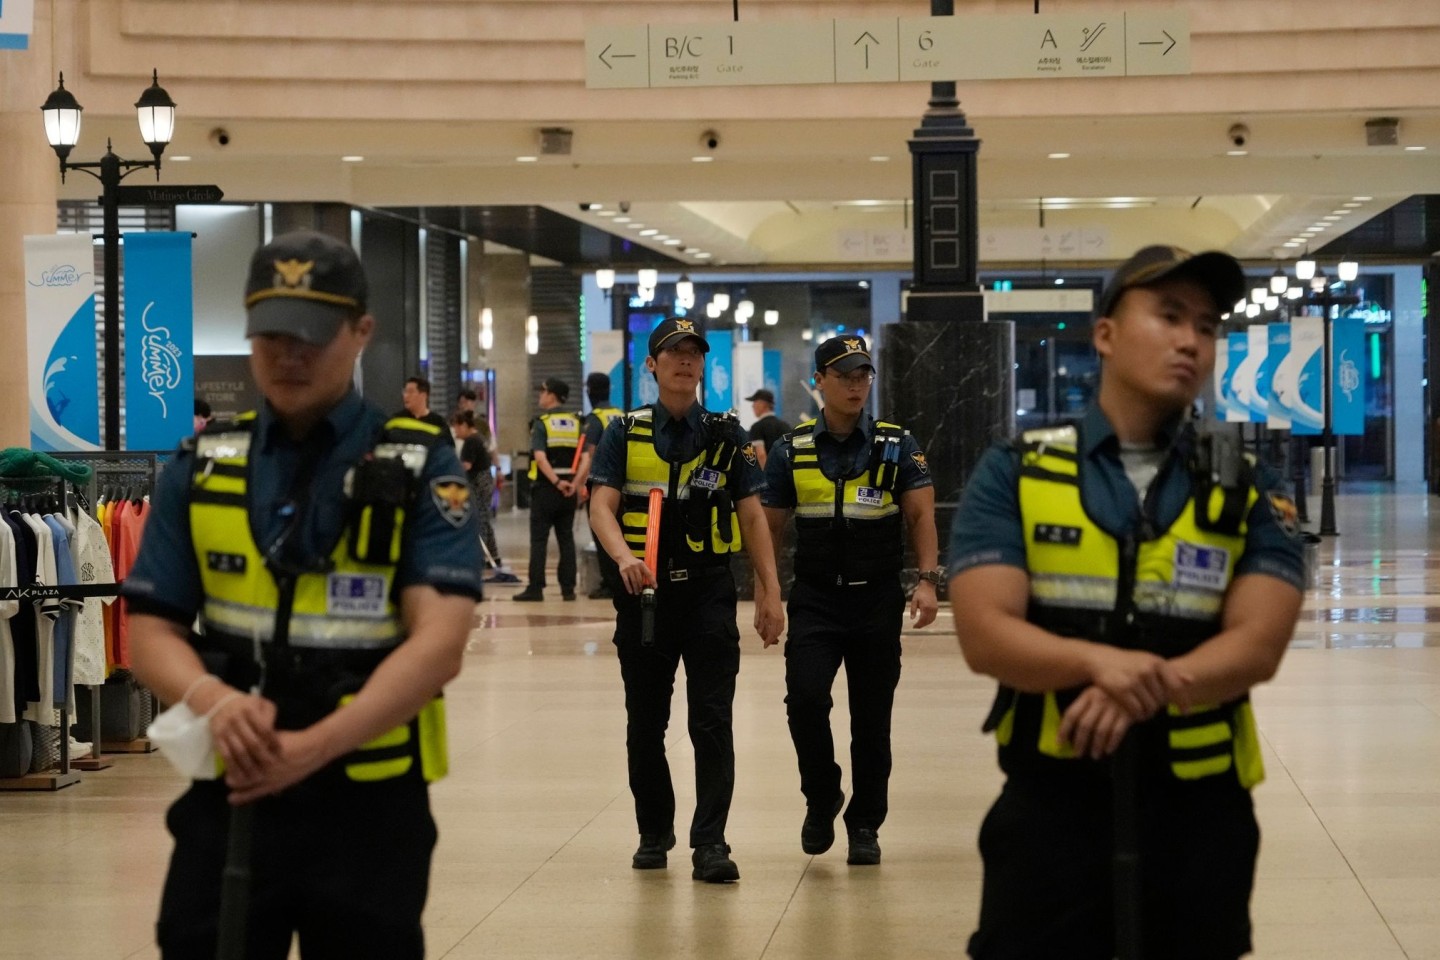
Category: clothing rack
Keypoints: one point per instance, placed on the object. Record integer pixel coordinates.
(65, 773)
(122, 468)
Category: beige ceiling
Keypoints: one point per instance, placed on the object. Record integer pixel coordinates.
(441, 121)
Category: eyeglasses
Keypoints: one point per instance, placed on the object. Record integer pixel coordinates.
(860, 378)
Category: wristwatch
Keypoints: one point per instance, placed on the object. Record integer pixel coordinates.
(936, 576)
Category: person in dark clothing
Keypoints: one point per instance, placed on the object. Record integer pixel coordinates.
(416, 399)
(554, 440)
(700, 463)
(475, 458)
(597, 389)
(768, 428)
(1127, 589)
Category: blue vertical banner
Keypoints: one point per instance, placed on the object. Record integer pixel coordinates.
(772, 379)
(159, 340)
(1278, 337)
(720, 371)
(17, 19)
(1347, 390)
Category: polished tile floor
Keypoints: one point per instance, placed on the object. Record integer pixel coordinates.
(537, 829)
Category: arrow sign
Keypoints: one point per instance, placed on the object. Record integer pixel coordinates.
(866, 48)
(1156, 43)
(153, 195)
(615, 56)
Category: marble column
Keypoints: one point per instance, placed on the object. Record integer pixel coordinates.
(28, 195)
(952, 384)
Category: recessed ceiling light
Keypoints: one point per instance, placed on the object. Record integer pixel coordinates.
(1237, 153)
(1414, 149)
(1058, 156)
(868, 203)
(353, 158)
(605, 213)
(1363, 199)
(701, 159)
(622, 219)
(1351, 203)
(1331, 217)
(702, 255)
(179, 159)
(649, 232)
(1290, 243)
(879, 159)
(526, 159)
(635, 226)
(673, 242)
(1341, 213)
(662, 237)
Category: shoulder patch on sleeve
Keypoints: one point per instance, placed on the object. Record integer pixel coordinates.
(451, 496)
(1282, 508)
(919, 458)
(749, 453)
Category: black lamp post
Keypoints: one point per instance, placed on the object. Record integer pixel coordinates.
(156, 114)
(1325, 300)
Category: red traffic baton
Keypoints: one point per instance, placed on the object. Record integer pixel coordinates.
(652, 563)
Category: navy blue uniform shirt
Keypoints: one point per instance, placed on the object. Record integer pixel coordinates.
(840, 459)
(987, 527)
(436, 550)
(677, 440)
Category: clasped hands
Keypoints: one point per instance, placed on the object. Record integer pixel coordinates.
(1127, 687)
(259, 759)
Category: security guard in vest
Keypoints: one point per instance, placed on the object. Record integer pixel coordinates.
(331, 559)
(597, 388)
(1127, 582)
(702, 465)
(554, 437)
(850, 482)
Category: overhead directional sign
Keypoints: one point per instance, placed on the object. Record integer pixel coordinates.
(159, 194)
(877, 50)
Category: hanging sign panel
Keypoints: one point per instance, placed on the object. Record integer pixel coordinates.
(159, 340)
(720, 371)
(1298, 378)
(17, 19)
(1277, 349)
(1347, 390)
(60, 340)
(1233, 388)
(607, 356)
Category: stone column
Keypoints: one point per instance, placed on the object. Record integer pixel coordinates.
(28, 194)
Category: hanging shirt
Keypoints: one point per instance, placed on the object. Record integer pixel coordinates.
(93, 566)
(22, 625)
(65, 622)
(47, 612)
(8, 609)
(129, 524)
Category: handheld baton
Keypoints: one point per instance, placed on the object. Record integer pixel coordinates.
(652, 563)
(1125, 858)
(575, 463)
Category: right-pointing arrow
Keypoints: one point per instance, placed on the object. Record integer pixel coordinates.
(1172, 42)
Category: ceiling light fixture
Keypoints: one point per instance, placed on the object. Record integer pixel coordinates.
(605, 278)
(352, 158)
(1058, 156)
(702, 159)
(648, 277)
(526, 159)
(1414, 149)
(772, 317)
(1237, 153)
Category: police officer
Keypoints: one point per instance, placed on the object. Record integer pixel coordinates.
(849, 481)
(700, 461)
(554, 438)
(1127, 584)
(597, 388)
(340, 549)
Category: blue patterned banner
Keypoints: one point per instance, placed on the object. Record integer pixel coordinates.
(60, 338)
(773, 366)
(1347, 385)
(159, 340)
(720, 371)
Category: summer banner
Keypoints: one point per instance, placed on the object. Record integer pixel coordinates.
(61, 360)
(159, 340)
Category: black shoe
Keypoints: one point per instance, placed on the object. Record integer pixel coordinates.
(864, 848)
(601, 593)
(529, 595)
(817, 834)
(650, 855)
(568, 595)
(713, 864)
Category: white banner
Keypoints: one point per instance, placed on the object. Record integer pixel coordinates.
(60, 333)
(17, 18)
(606, 355)
(749, 376)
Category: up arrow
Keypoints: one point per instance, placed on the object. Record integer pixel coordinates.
(858, 39)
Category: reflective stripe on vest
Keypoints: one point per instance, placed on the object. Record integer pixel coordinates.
(646, 471)
(1180, 581)
(606, 414)
(562, 436)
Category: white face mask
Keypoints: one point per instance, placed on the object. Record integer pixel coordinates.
(184, 739)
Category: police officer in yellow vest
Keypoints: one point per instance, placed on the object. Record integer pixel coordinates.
(597, 389)
(855, 485)
(331, 558)
(709, 479)
(1127, 590)
(554, 438)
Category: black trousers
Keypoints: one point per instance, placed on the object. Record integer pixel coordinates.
(694, 622)
(344, 865)
(549, 508)
(859, 626)
(1047, 844)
